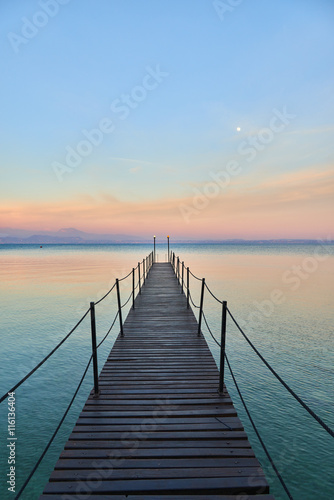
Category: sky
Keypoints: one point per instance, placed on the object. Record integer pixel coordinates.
(196, 118)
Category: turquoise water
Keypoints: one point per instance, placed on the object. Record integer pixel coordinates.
(44, 292)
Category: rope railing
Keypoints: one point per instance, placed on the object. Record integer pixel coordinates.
(212, 294)
(257, 432)
(106, 295)
(45, 359)
(287, 387)
(106, 335)
(223, 333)
(146, 266)
(193, 303)
(196, 277)
(128, 300)
(55, 432)
(175, 262)
(249, 414)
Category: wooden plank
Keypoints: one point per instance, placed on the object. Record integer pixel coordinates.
(146, 463)
(158, 453)
(159, 428)
(215, 485)
(165, 497)
(159, 473)
(82, 441)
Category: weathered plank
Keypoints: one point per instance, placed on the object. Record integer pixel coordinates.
(159, 428)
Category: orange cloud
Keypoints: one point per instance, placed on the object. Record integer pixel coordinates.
(295, 205)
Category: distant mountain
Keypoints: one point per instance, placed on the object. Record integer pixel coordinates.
(72, 236)
(63, 236)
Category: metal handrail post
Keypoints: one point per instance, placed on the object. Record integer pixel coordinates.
(154, 248)
(168, 259)
(222, 348)
(94, 350)
(188, 290)
(201, 308)
(139, 277)
(143, 271)
(182, 276)
(119, 307)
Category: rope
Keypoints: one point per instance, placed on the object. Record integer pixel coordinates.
(208, 289)
(300, 401)
(191, 300)
(127, 301)
(45, 359)
(214, 338)
(127, 275)
(55, 432)
(106, 295)
(199, 279)
(106, 335)
(258, 434)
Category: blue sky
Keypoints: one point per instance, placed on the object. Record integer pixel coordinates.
(224, 72)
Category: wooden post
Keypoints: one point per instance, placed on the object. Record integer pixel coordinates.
(94, 350)
(133, 288)
(119, 308)
(201, 308)
(222, 348)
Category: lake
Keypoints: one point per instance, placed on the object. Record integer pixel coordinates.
(281, 294)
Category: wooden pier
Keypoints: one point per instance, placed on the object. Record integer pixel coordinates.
(159, 428)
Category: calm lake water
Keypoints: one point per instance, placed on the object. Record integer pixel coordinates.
(282, 294)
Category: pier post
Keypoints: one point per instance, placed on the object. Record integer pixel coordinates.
(119, 308)
(201, 308)
(222, 348)
(188, 291)
(168, 260)
(133, 288)
(182, 276)
(94, 351)
(154, 248)
(143, 271)
(139, 277)
(178, 269)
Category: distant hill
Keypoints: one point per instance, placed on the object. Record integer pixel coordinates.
(72, 236)
(63, 236)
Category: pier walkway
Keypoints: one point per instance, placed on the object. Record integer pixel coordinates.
(159, 427)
